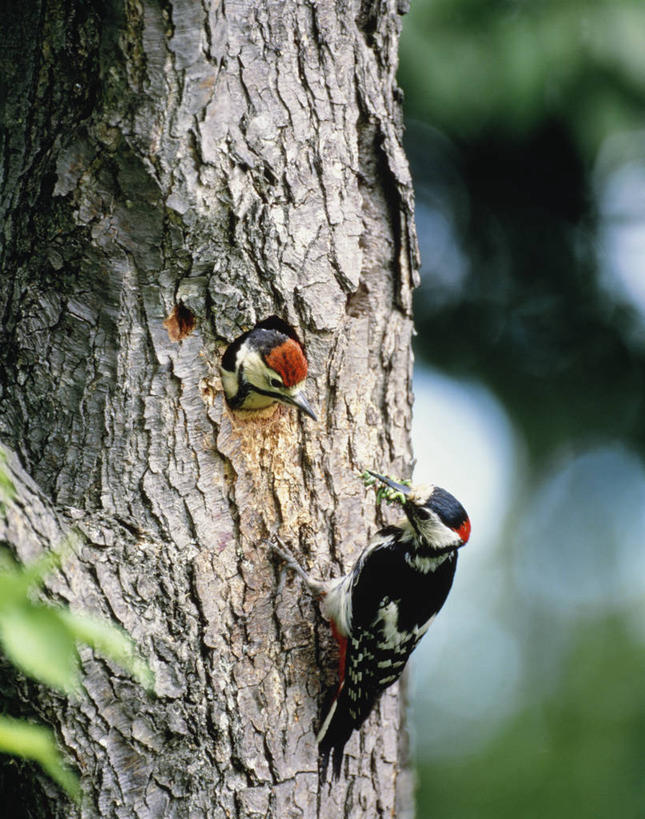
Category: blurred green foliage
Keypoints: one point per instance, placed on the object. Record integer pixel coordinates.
(577, 753)
(522, 116)
(510, 64)
(523, 94)
(40, 639)
(35, 742)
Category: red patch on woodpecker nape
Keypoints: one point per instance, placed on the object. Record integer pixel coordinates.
(289, 361)
(464, 530)
(342, 648)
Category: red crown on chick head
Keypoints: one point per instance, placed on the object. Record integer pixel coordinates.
(289, 361)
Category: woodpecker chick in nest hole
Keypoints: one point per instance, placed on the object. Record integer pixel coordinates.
(384, 605)
(265, 365)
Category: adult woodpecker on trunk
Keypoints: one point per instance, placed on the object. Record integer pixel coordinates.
(384, 605)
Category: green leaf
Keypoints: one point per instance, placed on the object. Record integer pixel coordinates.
(38, 641)
(35, 742)
(110, 641)
(16, 579)
(8, 562)
(35, 572)
(13, 590)
(7, 489)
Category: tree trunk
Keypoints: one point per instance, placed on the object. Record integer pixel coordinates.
(243, 159)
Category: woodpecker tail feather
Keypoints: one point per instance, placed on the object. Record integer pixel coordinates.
(336, 729)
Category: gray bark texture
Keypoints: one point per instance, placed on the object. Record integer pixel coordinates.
(242, 159)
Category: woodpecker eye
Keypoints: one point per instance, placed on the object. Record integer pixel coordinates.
(423, 514)
(275, 382)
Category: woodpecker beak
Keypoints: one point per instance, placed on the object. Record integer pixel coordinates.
(403, 488)
(299, 400)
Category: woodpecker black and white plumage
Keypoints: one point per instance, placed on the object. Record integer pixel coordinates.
(380, 610)
(264, 365)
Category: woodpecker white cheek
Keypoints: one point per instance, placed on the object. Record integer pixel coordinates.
(229, 382)
(440, 536)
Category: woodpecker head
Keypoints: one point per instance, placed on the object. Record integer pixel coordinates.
(266, 364)
(436, 517)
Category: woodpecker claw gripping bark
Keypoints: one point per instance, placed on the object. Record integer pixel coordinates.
(264, 365)
(382, 607)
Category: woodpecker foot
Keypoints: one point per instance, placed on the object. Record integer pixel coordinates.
(316, 587)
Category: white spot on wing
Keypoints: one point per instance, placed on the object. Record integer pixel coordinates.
(388, 615)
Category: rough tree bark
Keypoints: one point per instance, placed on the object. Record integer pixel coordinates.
(242, 158)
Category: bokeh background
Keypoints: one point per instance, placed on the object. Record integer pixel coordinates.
(526, 134)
